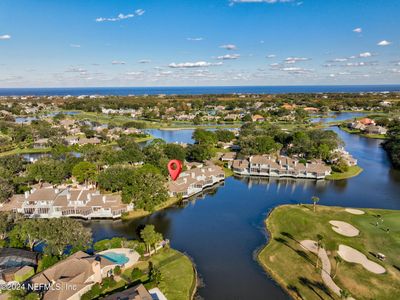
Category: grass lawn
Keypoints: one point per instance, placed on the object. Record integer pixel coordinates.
(352, 172)
(138, 213)
(179, 277)
(25, 151)
(359, 132)
(294, 268)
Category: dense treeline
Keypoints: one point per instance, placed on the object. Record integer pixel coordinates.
(307, 143)
(392, 145)
(55, 236)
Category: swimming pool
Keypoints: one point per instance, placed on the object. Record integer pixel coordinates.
(118, 258)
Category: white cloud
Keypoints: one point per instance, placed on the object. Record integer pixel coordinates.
(195, 39)
(365, 54)
(229, 56)
(75, 46)
(271, 56)
(357, 30)
(139, 12)
(384, 43)
(5, 37)
(121, 16)
(340, 59)
(76, 70)
(144, 61)
(228, 47)
(292, 60)
(133, 73)
(198, 64)
(118, 62)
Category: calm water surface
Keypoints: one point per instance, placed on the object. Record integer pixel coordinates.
(223, 230)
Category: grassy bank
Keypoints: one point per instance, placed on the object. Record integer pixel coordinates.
(295, 269)
(25, 151)
(178, 277)
(359, 132)
(352, 172)
(139, 213)
(178, 273)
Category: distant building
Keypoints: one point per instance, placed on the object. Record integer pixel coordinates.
(257, 118)
(282, 166)
(372, 129)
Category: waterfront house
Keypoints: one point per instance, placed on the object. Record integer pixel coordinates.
(280, 166)
(367, 121)
(373, 129)
(228, 156)
(72, 277)
(41, 143)
(50, 202)
(195, 180)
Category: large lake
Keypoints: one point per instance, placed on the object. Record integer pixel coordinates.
(223, 230)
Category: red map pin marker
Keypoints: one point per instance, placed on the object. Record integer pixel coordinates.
(174, 168)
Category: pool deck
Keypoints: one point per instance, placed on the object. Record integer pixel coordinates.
(132, 255)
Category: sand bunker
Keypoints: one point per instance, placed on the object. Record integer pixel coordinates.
(326, 264)
(344, 228)
(354, 256)
(354, 211)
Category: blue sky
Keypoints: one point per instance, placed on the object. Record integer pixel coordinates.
(47, 43)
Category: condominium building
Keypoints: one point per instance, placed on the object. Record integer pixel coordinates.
(281, 166)
(195, 180)
(50, 202)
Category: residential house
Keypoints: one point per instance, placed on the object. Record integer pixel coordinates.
(373, 129)
(72, 277)
(257, 118)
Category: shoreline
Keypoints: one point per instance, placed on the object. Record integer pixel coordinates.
(269, 272)
(283, 249)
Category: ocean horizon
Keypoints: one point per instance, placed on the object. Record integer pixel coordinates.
(197, 90)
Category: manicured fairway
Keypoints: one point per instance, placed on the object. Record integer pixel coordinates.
(294, 268)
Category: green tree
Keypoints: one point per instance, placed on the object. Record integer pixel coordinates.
(85, 172)
(224, 135)
(47, 169)
(65, 233)
(174, 151)
(6, 190)
(338, 260)
(319, 246)
(315, 200)
(202, 136)
(199, 152)
(150, 237)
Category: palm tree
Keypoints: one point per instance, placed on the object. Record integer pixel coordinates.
(344, 294)
(319, 246)
(315, 200)
(338, 260)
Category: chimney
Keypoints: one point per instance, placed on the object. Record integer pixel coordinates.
(104, 199)
(68, 195)
(26, 194)
(89, 196)
(193, 175)
(56, 191)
